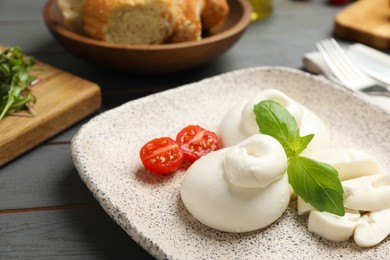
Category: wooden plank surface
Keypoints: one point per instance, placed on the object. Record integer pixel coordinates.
(53, 181)
(367, 22)
(78, 233)
(62, 100)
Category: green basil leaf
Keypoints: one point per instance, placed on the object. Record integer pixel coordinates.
(302, 143)
(276, 121)
(316, 183)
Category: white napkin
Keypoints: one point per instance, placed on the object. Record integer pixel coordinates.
(314, 63)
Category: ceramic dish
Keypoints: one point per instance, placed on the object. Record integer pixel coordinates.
(162, 58)
(148, 207)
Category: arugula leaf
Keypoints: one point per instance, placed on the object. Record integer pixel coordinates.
(15, 93)
(315, 182)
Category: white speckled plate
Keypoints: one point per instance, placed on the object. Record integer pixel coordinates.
(149, 208)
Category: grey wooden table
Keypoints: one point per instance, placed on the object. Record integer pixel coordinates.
(46, 211)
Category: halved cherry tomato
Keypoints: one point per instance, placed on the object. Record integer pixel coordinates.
(161, 155)
(196, 141)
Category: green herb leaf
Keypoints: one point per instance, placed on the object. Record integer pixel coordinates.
(301, 143)
(316, 183)
(277, 122)
(15, 93)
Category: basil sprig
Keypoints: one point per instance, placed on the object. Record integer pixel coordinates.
(315, 182)
(15, 82)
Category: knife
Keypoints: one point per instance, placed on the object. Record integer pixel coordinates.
(374, 63)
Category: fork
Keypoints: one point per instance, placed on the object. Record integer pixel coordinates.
(347, 71)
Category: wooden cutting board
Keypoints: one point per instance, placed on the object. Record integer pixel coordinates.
(62, 100)
(367, 22)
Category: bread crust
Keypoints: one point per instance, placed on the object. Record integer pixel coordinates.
(144, 21)
(189, 26)
(71, 11)
(214, 13)
(129, 21)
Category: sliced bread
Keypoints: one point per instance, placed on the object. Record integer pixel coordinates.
(129, 21)
(214, 13)
(189, 26)
(71, 11)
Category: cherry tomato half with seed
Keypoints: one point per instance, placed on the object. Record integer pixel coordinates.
(161, 155)
(196, 141)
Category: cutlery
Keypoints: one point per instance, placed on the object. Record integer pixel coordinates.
(348, 73)
(374, 63)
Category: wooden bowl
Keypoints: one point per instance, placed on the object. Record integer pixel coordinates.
(161, 58)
